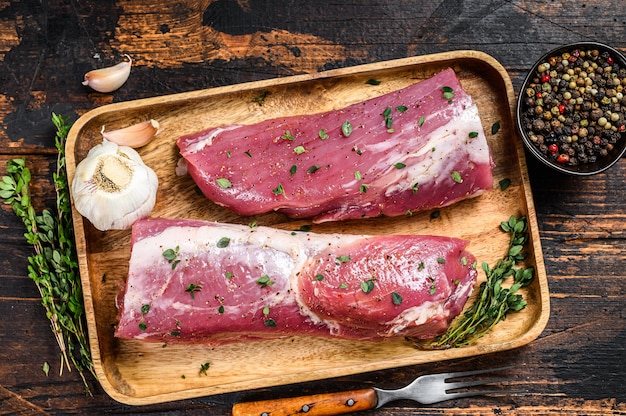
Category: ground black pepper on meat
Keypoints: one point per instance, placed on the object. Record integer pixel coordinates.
(574, 106)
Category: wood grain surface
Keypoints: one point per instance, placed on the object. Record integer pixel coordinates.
(574, 367)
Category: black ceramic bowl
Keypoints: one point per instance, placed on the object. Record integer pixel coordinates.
(549, 158)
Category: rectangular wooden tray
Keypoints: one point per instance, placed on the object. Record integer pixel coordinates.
(139, 373)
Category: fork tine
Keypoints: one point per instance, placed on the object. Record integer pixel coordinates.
(471, 383)
(477, 372)
(480, 393)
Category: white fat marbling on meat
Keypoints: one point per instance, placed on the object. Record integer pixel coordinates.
(290, 252)
(439, 155)
(207, 140)
(417, 315)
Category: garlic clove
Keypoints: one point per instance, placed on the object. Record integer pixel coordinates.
(181, 167)
(133, 136)
(109, 79)
(113, 188)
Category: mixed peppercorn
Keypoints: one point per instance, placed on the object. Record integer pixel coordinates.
(574, 106)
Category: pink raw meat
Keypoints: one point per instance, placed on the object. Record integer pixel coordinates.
(431, 154)
(232, 283)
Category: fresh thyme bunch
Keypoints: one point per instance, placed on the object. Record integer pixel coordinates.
(54, 266)
(494, 301)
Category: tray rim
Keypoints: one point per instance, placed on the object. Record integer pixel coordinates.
(80, 238)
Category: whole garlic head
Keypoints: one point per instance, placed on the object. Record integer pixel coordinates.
(113, 188)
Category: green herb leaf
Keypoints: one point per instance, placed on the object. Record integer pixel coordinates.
(396, 298)
(192, 289)
(260, 99)
(293, 170)
(399, 165)
(343, 259)
(287, 136)
(171, 255)
(495, 127)
(387, 117)
(204, 368)
(402, 108)
(279, 190)
(319, 277)
(367, 286)
(223, 242)
(420, 123)
(313, 169)
(372, 82)
(346, 128)
(224, 183)
(448, 93)
(299, 150)
(322, 134)
(473, 134)
(357, 175)
(145, 309)
(265, 281)
(504, 183)
(456, 176)
(270, 323)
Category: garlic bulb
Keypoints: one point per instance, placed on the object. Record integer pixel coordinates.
(109, 79)
(113, 188)
(133, 136)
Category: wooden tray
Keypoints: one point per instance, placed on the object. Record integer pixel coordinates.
(138, 373)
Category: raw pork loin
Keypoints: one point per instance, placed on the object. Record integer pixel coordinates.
(418, 148)
(193, 281)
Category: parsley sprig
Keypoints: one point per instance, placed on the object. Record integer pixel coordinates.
(494, 300)
(54, 266)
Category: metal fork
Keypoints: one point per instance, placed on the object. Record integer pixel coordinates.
(427, 389)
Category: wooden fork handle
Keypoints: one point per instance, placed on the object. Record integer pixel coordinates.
(315, 405)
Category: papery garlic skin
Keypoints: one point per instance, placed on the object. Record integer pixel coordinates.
(113, 188)
(109, 79)
(133, 136)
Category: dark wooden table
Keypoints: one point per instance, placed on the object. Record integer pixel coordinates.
(576, 366)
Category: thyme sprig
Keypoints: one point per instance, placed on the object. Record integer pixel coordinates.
(54, 266)
(494, 300)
